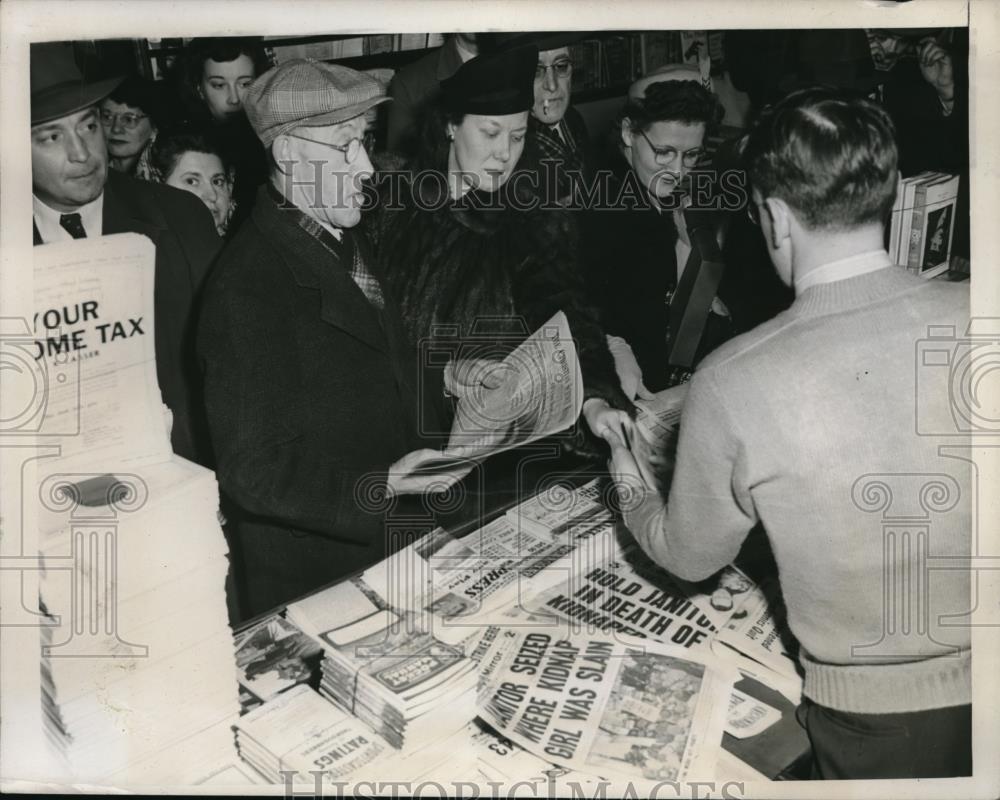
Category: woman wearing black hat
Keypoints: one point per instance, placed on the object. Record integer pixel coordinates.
(471, 249)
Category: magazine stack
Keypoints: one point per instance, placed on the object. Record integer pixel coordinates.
(386, 667)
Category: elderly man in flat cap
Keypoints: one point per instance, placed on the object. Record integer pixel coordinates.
(311, 386)
(75, 195)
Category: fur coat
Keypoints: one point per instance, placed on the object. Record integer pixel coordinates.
(492, 273)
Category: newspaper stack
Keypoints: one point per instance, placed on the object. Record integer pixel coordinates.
(300, 732)
(386, 668)
(208, 758)
(138, 654)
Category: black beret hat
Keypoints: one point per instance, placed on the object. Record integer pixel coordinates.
(493, 83)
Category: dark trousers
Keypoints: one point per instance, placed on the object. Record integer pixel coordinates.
(915, 744)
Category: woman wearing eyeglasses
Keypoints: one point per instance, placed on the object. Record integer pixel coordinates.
(638, 243)
(470, 248)
(130, 116)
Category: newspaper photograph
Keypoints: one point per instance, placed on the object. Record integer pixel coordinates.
(273, 656)
(609, 708)
(539, 393)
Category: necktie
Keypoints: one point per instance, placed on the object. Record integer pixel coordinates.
(73, 225)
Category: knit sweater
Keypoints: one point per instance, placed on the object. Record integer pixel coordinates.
(808, 424)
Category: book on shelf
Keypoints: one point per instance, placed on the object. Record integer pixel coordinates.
(922, 222)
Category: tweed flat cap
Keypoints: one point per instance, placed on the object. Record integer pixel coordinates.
(308, 92)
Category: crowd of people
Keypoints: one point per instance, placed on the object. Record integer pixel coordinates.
(300, 289)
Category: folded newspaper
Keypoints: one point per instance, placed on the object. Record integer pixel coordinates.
(628, 708)
(541, 393)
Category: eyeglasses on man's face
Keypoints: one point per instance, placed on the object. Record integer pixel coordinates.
(667, 155)
(129, 120)
(561, 69)
(351, 149)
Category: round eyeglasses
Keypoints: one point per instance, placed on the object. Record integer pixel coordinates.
(351, 150)
(667, 155)
(129, 121)
(561, 69)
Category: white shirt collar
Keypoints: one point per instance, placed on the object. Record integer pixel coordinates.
(843, 268)
(336, 233)
(47, 219)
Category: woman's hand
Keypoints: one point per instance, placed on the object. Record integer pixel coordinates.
(628, 370)
(603, 420)
(465, 375)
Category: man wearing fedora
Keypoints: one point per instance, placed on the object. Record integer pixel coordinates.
(311, 387)
(75, 195)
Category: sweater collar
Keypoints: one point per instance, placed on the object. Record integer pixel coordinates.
(854, 292)
(843, 268)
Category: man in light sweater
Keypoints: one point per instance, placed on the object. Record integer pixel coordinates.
(808, 424)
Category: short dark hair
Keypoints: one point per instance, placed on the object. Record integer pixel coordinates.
(168, 149)
(220, 50)
(830, 154)
(673, 101)
(141, 93)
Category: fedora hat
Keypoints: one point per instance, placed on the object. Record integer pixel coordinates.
(58, 88)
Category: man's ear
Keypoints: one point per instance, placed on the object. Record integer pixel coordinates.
(281, 152)
(626, 132)
(780, 216)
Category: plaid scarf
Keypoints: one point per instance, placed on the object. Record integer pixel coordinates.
(345, 250)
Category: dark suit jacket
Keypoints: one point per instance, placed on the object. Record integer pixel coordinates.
(632, 269)
(311, 395)
(181, 228)
(412, 87)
